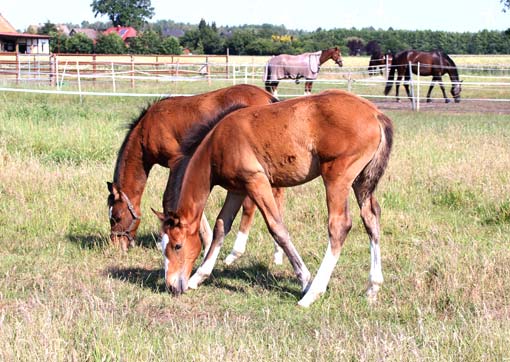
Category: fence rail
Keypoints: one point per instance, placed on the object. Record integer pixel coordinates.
(152, 76)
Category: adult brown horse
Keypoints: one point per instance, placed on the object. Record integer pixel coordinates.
(435, 64)
(154, 138)
(306, 65)
(378, 61)
(334, 134)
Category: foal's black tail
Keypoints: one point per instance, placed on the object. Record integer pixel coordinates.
(367, 180)
(391, 78)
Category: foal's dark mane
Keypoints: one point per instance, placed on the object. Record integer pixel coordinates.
(188, 146)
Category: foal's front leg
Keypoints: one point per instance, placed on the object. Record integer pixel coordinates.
(221, 229)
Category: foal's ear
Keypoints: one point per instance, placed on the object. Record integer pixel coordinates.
(113, 190)
(173, 219)
(160, 215)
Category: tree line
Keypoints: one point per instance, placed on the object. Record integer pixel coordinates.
(168, 37)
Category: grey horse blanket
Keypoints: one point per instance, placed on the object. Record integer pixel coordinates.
(284, 66)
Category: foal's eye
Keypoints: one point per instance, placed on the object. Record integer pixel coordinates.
(178, 246)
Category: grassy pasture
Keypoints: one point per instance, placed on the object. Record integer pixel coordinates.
(66, 295)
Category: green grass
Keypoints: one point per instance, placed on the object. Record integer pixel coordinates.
(66, 294)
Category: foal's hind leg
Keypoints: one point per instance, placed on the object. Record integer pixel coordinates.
(260, 192)
(247, 217)
(371, 214)
(440, 80)
(397, 87)
(339, 224)
(248, 214)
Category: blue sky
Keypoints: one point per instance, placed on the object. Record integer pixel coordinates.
(448, 15)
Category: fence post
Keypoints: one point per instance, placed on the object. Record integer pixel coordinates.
(79, 81)
(63, 74)
(208, 71)
(226, 67)
(411, 86)
(246, 74)
(418, 88)
(18, 68)
(349, 82)
(56, 71)
(94, 69)
(52, 69)
(113, 79)
(233, 74)
(132, 72)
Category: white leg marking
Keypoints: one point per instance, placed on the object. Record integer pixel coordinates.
(275, 93)
(321, 280)
(238, 249)
(278, 254)
(207, 233)
(375, 278)
(164, 242)
(110, 212)
(204, 270)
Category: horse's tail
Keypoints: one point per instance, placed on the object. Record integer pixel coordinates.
(391, 78)
(267, 76)
(266, 73)
(367, 180)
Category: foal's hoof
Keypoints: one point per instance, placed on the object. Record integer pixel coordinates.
(447, 100)
(398, 100)
(372, 294)
(429, 100)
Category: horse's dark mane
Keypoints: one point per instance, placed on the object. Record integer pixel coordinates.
(130, 127)
(188, 146)
(452, 68)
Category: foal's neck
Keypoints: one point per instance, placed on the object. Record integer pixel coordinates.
(195, 189)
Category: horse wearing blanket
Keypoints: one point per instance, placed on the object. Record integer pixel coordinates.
(306, 65)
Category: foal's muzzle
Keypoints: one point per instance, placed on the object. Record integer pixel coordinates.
(177, 286)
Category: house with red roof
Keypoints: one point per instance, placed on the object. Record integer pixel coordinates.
(12, 41)
(125, 32)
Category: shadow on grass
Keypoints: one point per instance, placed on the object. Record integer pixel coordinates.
(253, 276)
(100, 241)
(151, 279)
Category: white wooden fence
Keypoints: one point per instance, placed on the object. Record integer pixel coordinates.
(172, 76)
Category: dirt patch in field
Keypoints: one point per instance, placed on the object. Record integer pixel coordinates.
(465, 106)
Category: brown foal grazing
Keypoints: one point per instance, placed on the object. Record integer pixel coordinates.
(336, 135)
(154, 138)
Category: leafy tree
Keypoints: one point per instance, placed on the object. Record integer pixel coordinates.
(58, 43)
(373, 47)
(47, 28)
(79, 43)
(124, 12)
(170, 45)
(205, 39)
(355, 45)
(506, 5)
(191, 40)
(147, 42)
(110, 44)
(239, 40)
